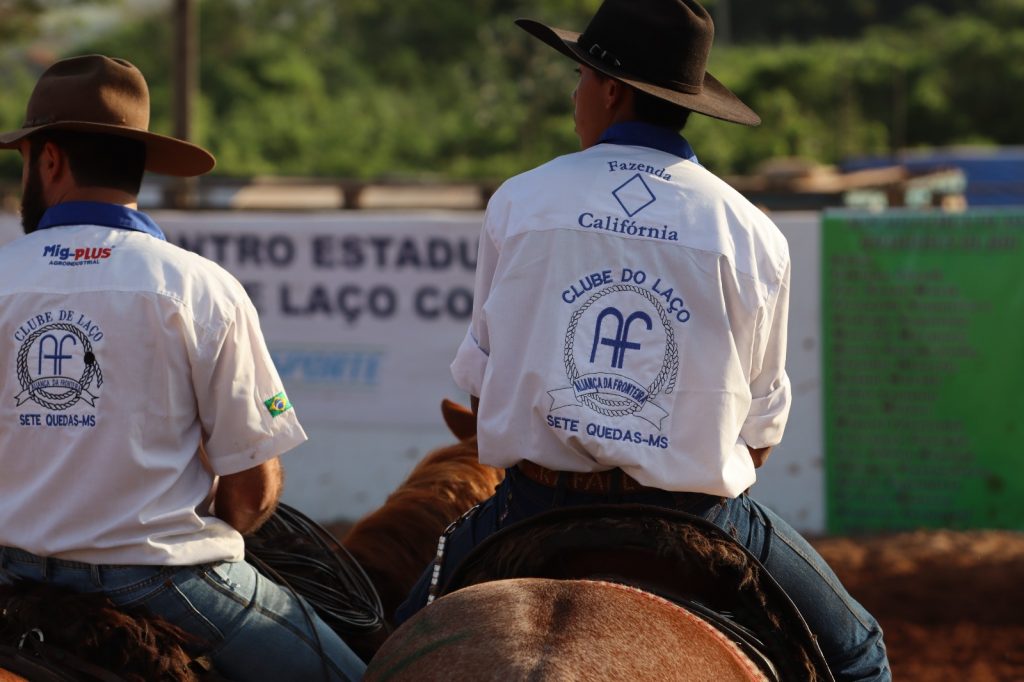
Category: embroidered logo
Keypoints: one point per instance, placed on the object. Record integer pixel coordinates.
(277, 405)
(66, 255)
(634, 195)
(620, 353)
(57, 366)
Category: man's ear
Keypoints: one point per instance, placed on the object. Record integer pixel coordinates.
(618, 97)
(53, 164)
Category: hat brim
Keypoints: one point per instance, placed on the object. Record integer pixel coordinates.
(164, 155)
(714, 100)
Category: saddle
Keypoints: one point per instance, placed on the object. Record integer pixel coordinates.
(669, 553)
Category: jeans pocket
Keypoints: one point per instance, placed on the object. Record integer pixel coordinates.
(716, 514)
(235, 580)
(180, 598)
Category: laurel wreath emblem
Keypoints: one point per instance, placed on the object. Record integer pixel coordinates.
(664, 382)
(63, 398)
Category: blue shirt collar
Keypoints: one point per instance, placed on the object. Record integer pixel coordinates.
(639, 134)
(97, 213)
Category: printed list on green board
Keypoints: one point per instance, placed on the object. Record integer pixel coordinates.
(923, 317)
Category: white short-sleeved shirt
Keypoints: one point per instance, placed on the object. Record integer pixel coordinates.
(122, 352)
(630, 311)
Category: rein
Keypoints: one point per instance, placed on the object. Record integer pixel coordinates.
(743, 637)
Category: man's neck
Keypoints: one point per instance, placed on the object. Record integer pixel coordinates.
(104, 195)
(640, 134)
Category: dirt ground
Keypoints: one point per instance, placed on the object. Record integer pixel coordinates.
(951, 604)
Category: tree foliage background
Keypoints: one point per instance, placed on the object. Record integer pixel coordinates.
(453, 89)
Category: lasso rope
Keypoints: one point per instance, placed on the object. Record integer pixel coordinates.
(302, 555)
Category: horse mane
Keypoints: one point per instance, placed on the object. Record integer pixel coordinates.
(395, 543)
(140, 647)
(539, 541)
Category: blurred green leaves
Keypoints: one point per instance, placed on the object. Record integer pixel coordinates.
(453, 89)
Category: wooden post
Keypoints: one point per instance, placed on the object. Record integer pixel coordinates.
(184, 194)
(898, 131)
(722, 16)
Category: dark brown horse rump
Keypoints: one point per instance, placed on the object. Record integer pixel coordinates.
(51, 633)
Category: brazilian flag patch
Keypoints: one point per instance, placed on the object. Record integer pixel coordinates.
(278, 405)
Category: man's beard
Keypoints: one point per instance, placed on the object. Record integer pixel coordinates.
(33, 205)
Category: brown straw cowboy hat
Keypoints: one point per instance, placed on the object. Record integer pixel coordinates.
(660, 47)
(97, 94)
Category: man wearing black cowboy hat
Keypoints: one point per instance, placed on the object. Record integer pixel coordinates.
(125, 358)
(628, 338)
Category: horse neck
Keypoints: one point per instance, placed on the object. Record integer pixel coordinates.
(397, 541)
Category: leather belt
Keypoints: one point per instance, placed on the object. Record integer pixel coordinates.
(613, 481)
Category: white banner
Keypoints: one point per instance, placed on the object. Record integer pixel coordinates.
(363, 313)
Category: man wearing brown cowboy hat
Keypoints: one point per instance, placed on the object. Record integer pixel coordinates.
(125, 357)
(628, 338)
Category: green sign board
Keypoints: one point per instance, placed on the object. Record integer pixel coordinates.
(923, 318)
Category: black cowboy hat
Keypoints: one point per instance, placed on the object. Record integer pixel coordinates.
(97, 94)
(660, 47)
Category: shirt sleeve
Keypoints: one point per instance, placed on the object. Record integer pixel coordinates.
(770, 391)
(471, 358)
(244, 410)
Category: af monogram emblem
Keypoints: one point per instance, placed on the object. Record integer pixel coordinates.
(56, 367)
(620, 353)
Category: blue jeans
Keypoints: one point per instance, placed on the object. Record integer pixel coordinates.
(850, 638)
(253, 628)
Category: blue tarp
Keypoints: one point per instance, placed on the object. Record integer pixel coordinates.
(995, 176)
